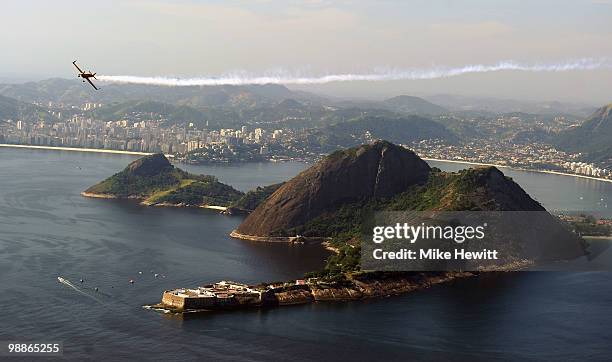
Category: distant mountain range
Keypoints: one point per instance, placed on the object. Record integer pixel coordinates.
(401, 104)
(413, 105)
(272, 106)
(399, 129)
(72, 92)
(333, 123)
(593, 137)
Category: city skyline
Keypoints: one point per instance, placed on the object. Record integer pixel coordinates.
(251, 143)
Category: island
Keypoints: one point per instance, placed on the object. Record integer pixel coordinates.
(154, 181)
(328, 202)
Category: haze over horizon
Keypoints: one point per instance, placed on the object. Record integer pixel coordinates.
(210, 38)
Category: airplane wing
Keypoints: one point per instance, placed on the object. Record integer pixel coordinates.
(77, 67)
(87, 79)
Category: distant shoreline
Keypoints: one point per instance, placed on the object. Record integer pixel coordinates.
(76, 149)
(97, 150)
(519, 169)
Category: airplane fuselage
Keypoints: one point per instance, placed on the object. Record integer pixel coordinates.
(85, 75)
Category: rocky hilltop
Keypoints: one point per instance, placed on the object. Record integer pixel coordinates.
(155, 181)
(388, 175)
(332, 200)
(378, 170)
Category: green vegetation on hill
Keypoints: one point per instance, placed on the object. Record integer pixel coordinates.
(154, 180)
(460, 191)
(249, 201)
(394, 129)
(71, 91)
(588, 225)
(344, 177)
(16, 110)
(203, 190)
(477, 189)
(353, 127)
(174, 113)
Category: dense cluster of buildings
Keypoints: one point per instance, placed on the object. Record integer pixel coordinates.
(587, 169)
(192, 144)
(529, 156)
(186, 142)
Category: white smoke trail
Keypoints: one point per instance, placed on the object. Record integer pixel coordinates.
(242, 78)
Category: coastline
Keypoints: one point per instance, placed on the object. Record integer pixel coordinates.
(328, 246)
(164, 204)
(355, 288)
(519, 169)
(278, 239)
(75, 149)
(97, 196)
(599, 237)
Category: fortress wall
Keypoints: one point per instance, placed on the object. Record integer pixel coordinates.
(173, 301)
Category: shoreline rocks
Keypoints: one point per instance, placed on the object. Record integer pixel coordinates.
(360, 287)
(298, 239)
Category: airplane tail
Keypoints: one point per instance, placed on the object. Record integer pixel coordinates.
(94, 76)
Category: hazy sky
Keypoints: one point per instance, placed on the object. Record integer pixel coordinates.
(196, 38)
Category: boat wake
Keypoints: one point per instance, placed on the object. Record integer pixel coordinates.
(78, 290)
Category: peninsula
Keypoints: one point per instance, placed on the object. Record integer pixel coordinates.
(154, 181)
(330, 201)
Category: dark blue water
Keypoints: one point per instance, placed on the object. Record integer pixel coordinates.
(47, 229)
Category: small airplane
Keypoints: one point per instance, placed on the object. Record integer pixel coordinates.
(86, 75)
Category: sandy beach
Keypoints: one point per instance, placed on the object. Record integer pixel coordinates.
(76, 149)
